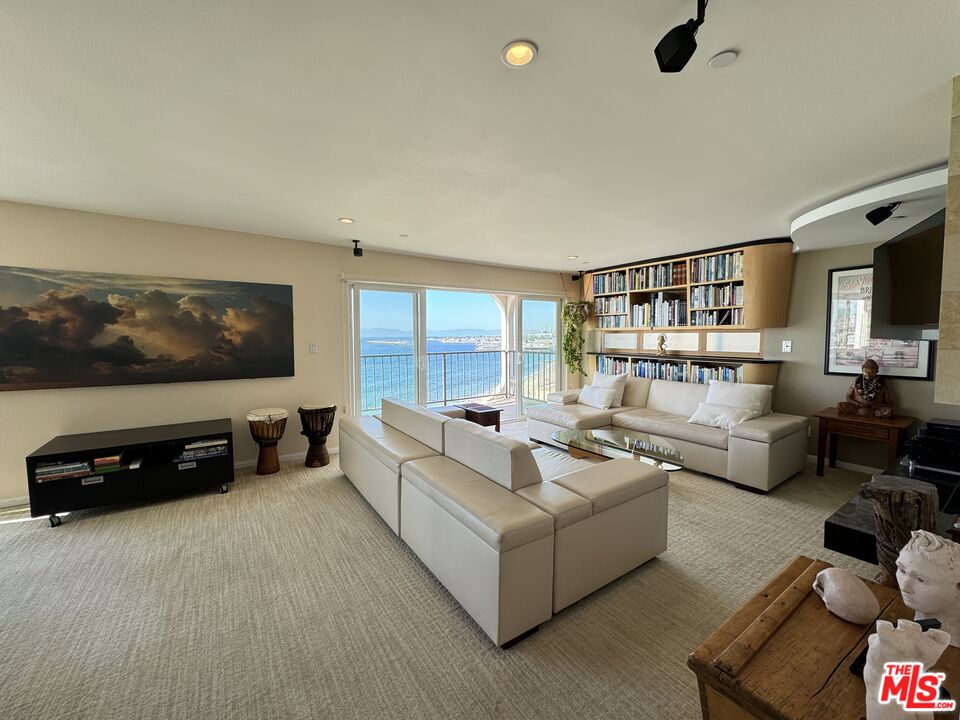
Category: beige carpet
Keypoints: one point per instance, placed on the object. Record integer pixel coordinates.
(289, 598)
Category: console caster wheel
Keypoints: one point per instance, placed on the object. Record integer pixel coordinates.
(223, 488)
(55, 521)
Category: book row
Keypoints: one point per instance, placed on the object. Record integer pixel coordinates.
(612, 321)
(657, 370)
(706, 373)
(732, 316)
(659, 312)
(666, 275)
(610, 282)
(609, 305)
(728, 266)
(716, 295)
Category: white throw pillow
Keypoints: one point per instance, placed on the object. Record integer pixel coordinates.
(617, 383)
(741, 395)
(721, 416)
(601, 398)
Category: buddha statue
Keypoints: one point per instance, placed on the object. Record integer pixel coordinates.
(868, 395)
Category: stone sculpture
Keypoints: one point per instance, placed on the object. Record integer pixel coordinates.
(928, 572)
(846, 596)
(905, 643)
(661, 345)
(868, 395)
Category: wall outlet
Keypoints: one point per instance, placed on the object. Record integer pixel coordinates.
(786, 346)
(314, 348)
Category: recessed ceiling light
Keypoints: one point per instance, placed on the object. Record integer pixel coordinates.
(519, 53)
(346, 220)
(404, 235)
(586, 262)
(723, 59)
(572, 257)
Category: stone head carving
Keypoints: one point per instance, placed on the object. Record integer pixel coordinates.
(928, 572)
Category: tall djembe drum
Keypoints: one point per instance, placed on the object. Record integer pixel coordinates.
(266, 427)
(317, 421)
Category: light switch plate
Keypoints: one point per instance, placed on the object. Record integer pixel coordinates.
(313, 348)
(787, 346)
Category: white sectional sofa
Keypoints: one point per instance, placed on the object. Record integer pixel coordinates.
(510, 547)
(759, 454)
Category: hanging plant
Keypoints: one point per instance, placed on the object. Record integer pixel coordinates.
(574, 316)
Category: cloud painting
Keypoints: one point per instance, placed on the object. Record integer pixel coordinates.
(72, 329)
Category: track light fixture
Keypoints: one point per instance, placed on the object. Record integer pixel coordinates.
(878, 215)
(677, 46)
(357, 250)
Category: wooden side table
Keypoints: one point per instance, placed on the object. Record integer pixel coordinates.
(833, 424)
(783, 655)
(482, 414)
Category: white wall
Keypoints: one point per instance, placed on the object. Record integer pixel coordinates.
(43, 237)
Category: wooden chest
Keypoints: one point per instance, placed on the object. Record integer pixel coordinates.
(793, 664)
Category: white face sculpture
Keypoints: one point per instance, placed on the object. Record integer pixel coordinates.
(928, 572)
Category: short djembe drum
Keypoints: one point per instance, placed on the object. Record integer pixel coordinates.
(266, 427)
(317, 421)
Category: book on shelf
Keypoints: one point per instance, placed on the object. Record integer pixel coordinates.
(61, 471)
(610, 282)
(202, 453)
(730, 316)
(110, 463)
(705, 296)
(611, 321)
(726, 266)
(705, 373)
(612, 366)
(657, 276)
(610, 305)
(215, 442)
(661, 311)
(660, 370)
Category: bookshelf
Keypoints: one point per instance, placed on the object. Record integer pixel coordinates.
(73, 472)
(738, 290)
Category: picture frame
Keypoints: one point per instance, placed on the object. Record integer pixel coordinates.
(848, 343)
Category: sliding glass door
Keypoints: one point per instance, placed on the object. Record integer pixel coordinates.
(387, 347)
(440, 347)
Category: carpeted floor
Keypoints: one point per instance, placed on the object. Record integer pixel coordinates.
(289, 598)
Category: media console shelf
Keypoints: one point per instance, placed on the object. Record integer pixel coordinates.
(73, 472)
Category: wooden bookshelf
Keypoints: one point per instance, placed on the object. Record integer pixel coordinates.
(732, 290)
(695, 369)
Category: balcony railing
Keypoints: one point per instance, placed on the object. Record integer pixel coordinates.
(456, 377)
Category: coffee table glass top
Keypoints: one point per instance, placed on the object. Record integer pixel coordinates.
(616, 442)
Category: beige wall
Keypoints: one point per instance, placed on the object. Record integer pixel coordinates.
(948, 364)
(802, 387)
(34, 236)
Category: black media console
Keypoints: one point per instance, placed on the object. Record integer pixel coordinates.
(73, 472)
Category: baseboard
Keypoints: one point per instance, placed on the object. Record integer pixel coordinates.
(14, 502)
(850, 466)
(283, 458)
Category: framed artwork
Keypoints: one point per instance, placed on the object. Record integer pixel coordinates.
(848, 342)
(61, 329)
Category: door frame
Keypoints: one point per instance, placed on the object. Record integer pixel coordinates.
(518, 343)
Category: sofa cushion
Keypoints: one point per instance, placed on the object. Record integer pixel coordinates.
(574, 417)
(415, 421)
(676, 398)
(613, 483)
(721, 416)
(565, 506)
(742, 395)
(770, 428)
(669, 425)
(506, 461)
(602, 398)
(636, 392)
(389, 445)
(616, 382)
(564, 397)
(554, 463)
(497, 516)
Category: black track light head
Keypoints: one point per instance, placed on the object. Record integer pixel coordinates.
(357, 250)
(878, 215)
(676, 48)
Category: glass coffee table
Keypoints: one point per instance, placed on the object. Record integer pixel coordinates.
(614, 442)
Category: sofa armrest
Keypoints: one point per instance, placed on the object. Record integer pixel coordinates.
(770, 428)
(566, 397)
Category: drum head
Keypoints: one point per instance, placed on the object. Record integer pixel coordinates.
(267, 415)
(318, 406)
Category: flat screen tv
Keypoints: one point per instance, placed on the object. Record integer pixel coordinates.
(906, 282)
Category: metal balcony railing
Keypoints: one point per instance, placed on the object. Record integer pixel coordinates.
(457, 377)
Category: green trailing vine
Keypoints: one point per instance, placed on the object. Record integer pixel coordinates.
(574, 316)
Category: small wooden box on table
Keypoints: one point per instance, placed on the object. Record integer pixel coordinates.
(783, 656)
(891, 430)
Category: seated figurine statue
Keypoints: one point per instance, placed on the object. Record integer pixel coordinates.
(868, 395)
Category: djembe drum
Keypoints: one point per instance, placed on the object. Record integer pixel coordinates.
(317, 421)
(266, 427)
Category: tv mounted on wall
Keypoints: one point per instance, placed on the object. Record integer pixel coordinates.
(60, 329)
(906, 282)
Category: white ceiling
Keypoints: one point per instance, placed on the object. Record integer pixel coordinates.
(278, 117)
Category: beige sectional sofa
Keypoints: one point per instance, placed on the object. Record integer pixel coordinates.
(511, 547)
(759, 454)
